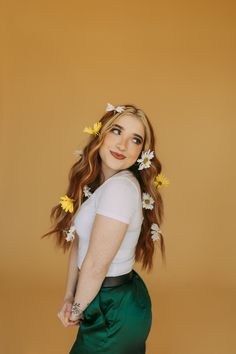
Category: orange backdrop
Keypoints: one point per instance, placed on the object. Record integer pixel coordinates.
(61, 62)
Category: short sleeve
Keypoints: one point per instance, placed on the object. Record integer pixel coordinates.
(118, 199)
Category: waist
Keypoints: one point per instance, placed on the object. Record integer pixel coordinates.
(117, 280)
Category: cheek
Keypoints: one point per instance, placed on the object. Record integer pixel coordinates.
(108, 140)
(135, 151)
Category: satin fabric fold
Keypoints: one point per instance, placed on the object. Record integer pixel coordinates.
(117, 321)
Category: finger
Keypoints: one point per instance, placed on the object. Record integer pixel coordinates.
(68, 321)
(64, 312)
(62, 319)
(71, 318)
(67, 316)
(76, 323)
(67, 313)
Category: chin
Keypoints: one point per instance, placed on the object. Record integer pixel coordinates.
(117, 167)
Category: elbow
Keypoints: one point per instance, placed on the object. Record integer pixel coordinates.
(97, 268)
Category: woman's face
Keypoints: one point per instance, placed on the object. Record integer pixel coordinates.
(125, 137)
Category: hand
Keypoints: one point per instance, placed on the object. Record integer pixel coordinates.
(65, 312)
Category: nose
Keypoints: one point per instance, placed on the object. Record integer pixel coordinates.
(121, 144)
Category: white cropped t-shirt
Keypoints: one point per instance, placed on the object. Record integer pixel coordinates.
(119, 197)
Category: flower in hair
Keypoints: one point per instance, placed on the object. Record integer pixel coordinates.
(155, 231)
(148, 201)
(70, 233)
(161, 180)
(67, 203)
(95, 130)
(110, 107)
(78, 153)
(145, 159)
(87, 192)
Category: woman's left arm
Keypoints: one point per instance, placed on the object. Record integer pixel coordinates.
(105, 240)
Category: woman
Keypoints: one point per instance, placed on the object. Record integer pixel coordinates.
(111, 216)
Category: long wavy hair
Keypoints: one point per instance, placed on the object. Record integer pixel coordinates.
(87, 171)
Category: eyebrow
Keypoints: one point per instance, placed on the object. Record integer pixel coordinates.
(122, 128)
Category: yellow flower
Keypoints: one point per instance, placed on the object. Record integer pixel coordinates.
(94, 130)
(161, 180)
(67, 203)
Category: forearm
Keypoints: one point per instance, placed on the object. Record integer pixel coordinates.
(89, 284)
(72, 272)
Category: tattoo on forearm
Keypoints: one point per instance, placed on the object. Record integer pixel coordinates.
(76, 308)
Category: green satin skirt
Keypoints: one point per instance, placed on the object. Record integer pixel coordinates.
(117, 321)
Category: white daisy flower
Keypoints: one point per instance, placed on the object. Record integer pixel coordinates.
(70, 233)
(110, 107)
(148, 201)
(145, 159)
(87, 192)
(78, 153)
(155, 231)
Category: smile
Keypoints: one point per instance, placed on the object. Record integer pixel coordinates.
(117, 156)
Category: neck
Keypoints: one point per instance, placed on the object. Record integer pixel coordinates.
(105, 176)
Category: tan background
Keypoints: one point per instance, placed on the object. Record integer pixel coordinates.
(61, 62)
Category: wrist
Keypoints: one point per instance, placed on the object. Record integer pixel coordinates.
(69, 297)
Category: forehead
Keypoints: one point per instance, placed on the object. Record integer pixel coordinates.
(131, 123)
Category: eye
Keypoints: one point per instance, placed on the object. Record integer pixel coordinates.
(138, 141)
(113, 129)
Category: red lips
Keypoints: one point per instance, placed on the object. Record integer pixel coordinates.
(117, 156)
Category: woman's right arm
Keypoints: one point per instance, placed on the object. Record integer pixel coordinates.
(72, 271)
(71, 284)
